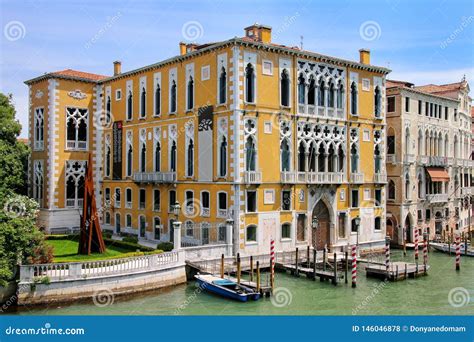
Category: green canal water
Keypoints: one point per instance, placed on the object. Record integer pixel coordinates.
(428, 295)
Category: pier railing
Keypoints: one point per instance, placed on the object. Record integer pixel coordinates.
(100, 268)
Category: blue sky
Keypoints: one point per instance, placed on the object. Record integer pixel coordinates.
(421, 41)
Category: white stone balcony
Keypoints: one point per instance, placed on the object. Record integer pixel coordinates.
(252, 177)
(38, 145)
(357, 178)
(467, 190)
(319, 177)
(423, 160)
(154, 177)
(205, 212)
(288, 177)
(437, 198)
(380, 178)
(391, 159)
(409, 158)
(221, 213)
(437, 161)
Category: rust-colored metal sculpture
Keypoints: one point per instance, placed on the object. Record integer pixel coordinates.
(90, 239)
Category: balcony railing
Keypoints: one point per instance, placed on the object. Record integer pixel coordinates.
(380, 178)
(331, 112)
(154, 177)
(288, 177)
(206, 212)
(221, 212)
(391, 159)
(357, 178)
(252, 177)
(437, 161)
(467, 191)
(319, 177)
(409, 158)
(38, 145)
(128, 205)
(423, 160)
(74, 203)
(437, 198)
(76, 145)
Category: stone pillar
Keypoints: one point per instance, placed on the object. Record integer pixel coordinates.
(177, 235)
(229, 235)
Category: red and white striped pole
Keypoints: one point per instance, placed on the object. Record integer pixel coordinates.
(272, 263)
(458, 253)
(416, 244)
(354, 265)
(425, 249)
(387, 254)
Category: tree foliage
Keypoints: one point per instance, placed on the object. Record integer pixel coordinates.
(21, 242)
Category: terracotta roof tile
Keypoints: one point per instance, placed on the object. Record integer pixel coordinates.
(79, 74)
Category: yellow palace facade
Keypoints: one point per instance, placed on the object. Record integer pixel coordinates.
(277, 142)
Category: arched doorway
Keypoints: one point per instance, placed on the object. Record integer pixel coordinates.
(391, 230)
(408, 229)
(321, 235)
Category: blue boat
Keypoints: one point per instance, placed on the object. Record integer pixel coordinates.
(226, 288)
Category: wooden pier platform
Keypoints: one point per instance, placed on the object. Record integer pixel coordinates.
(310, 272)
(265, 290)
(398, 270)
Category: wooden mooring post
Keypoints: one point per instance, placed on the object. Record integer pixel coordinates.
(222, 266)
(251, 268)
(334, 281)
(238, 268)
(458, 253)
(307, 257)
(314, 263)
(296, 262)
(258, 276)
(347, 266)
(324, 258)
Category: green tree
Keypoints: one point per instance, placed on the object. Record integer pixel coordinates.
(21, 242)
(13, 153)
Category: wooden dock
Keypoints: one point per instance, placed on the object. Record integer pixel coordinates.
(397, 271)
(311, 273)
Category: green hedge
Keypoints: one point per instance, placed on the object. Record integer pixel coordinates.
(128, 245)
(165, 246)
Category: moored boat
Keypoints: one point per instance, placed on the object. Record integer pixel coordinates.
(445, 248)
(226, 288)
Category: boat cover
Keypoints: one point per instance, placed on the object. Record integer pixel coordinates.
(223, 282)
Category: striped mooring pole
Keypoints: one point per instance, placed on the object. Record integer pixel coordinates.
(354, 265)
(272, 263)
(425, 249)
(416, 244)
(387, 254)
(458, 253)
